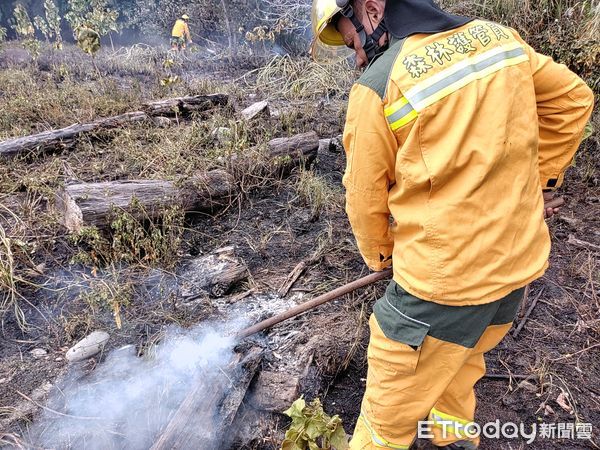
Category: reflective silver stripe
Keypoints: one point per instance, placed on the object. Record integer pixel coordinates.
(378, 439)
(404, 111)
(462, 73)
(404, 315)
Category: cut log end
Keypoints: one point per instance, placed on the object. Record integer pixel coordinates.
(71, 217)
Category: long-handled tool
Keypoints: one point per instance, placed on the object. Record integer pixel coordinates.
(343, 290)
(325, 298)
(365, 281)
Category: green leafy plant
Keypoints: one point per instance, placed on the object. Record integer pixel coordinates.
(50, 27)
(76, 13)
(110, 293)
(312, 429)
(133, 238)
(90, 20)
(88, 40)
(42, 26)
(94, 14)
(102, 18)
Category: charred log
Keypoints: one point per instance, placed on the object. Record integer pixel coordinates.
(223, 393)
(184, 106)
(214, 274)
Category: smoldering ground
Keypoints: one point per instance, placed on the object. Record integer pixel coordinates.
(127, 400)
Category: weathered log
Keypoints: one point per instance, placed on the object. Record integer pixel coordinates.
(282, 155)
(295, 150)
(194, 424)
(65, 137)
(274, 391)
(183, 106)
(94, 204)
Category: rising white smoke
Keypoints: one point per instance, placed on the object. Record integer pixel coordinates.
(126, 401)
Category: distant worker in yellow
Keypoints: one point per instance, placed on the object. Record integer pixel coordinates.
(181, 34)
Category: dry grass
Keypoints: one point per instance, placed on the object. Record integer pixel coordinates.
(302, 78)
(317, 193)
(17, 269)
(33, 100)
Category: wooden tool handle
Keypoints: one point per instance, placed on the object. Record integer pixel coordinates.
(336, 293)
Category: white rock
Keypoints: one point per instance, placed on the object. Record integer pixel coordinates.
(162, 122)
(38, 353)
(88, 346)
(255, 110)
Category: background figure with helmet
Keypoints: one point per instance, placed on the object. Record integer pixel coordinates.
(180, 34)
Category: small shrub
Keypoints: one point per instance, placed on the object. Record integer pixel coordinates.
(133, 239)
(312, 429)
(112, 294)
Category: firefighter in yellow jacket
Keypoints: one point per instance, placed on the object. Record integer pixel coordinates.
(181, 33)
(457, 131)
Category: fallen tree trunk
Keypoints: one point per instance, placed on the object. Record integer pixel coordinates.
(294, 151)
(94, 204)
(67, 137)
(195, 425)
(282, 155)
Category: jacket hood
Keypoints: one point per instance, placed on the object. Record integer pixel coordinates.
(407, 17)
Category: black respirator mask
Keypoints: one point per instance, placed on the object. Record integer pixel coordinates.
(370, 42)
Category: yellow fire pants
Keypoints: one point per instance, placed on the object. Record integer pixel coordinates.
(429, 378)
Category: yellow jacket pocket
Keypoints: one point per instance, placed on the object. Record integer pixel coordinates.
(397, 355)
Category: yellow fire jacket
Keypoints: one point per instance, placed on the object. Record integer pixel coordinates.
(455, 135)
(181, 30)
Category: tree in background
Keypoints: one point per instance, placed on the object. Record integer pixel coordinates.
(76, 14)
(89, 21)
(25, 31)
(103, 19)
(50, 27)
